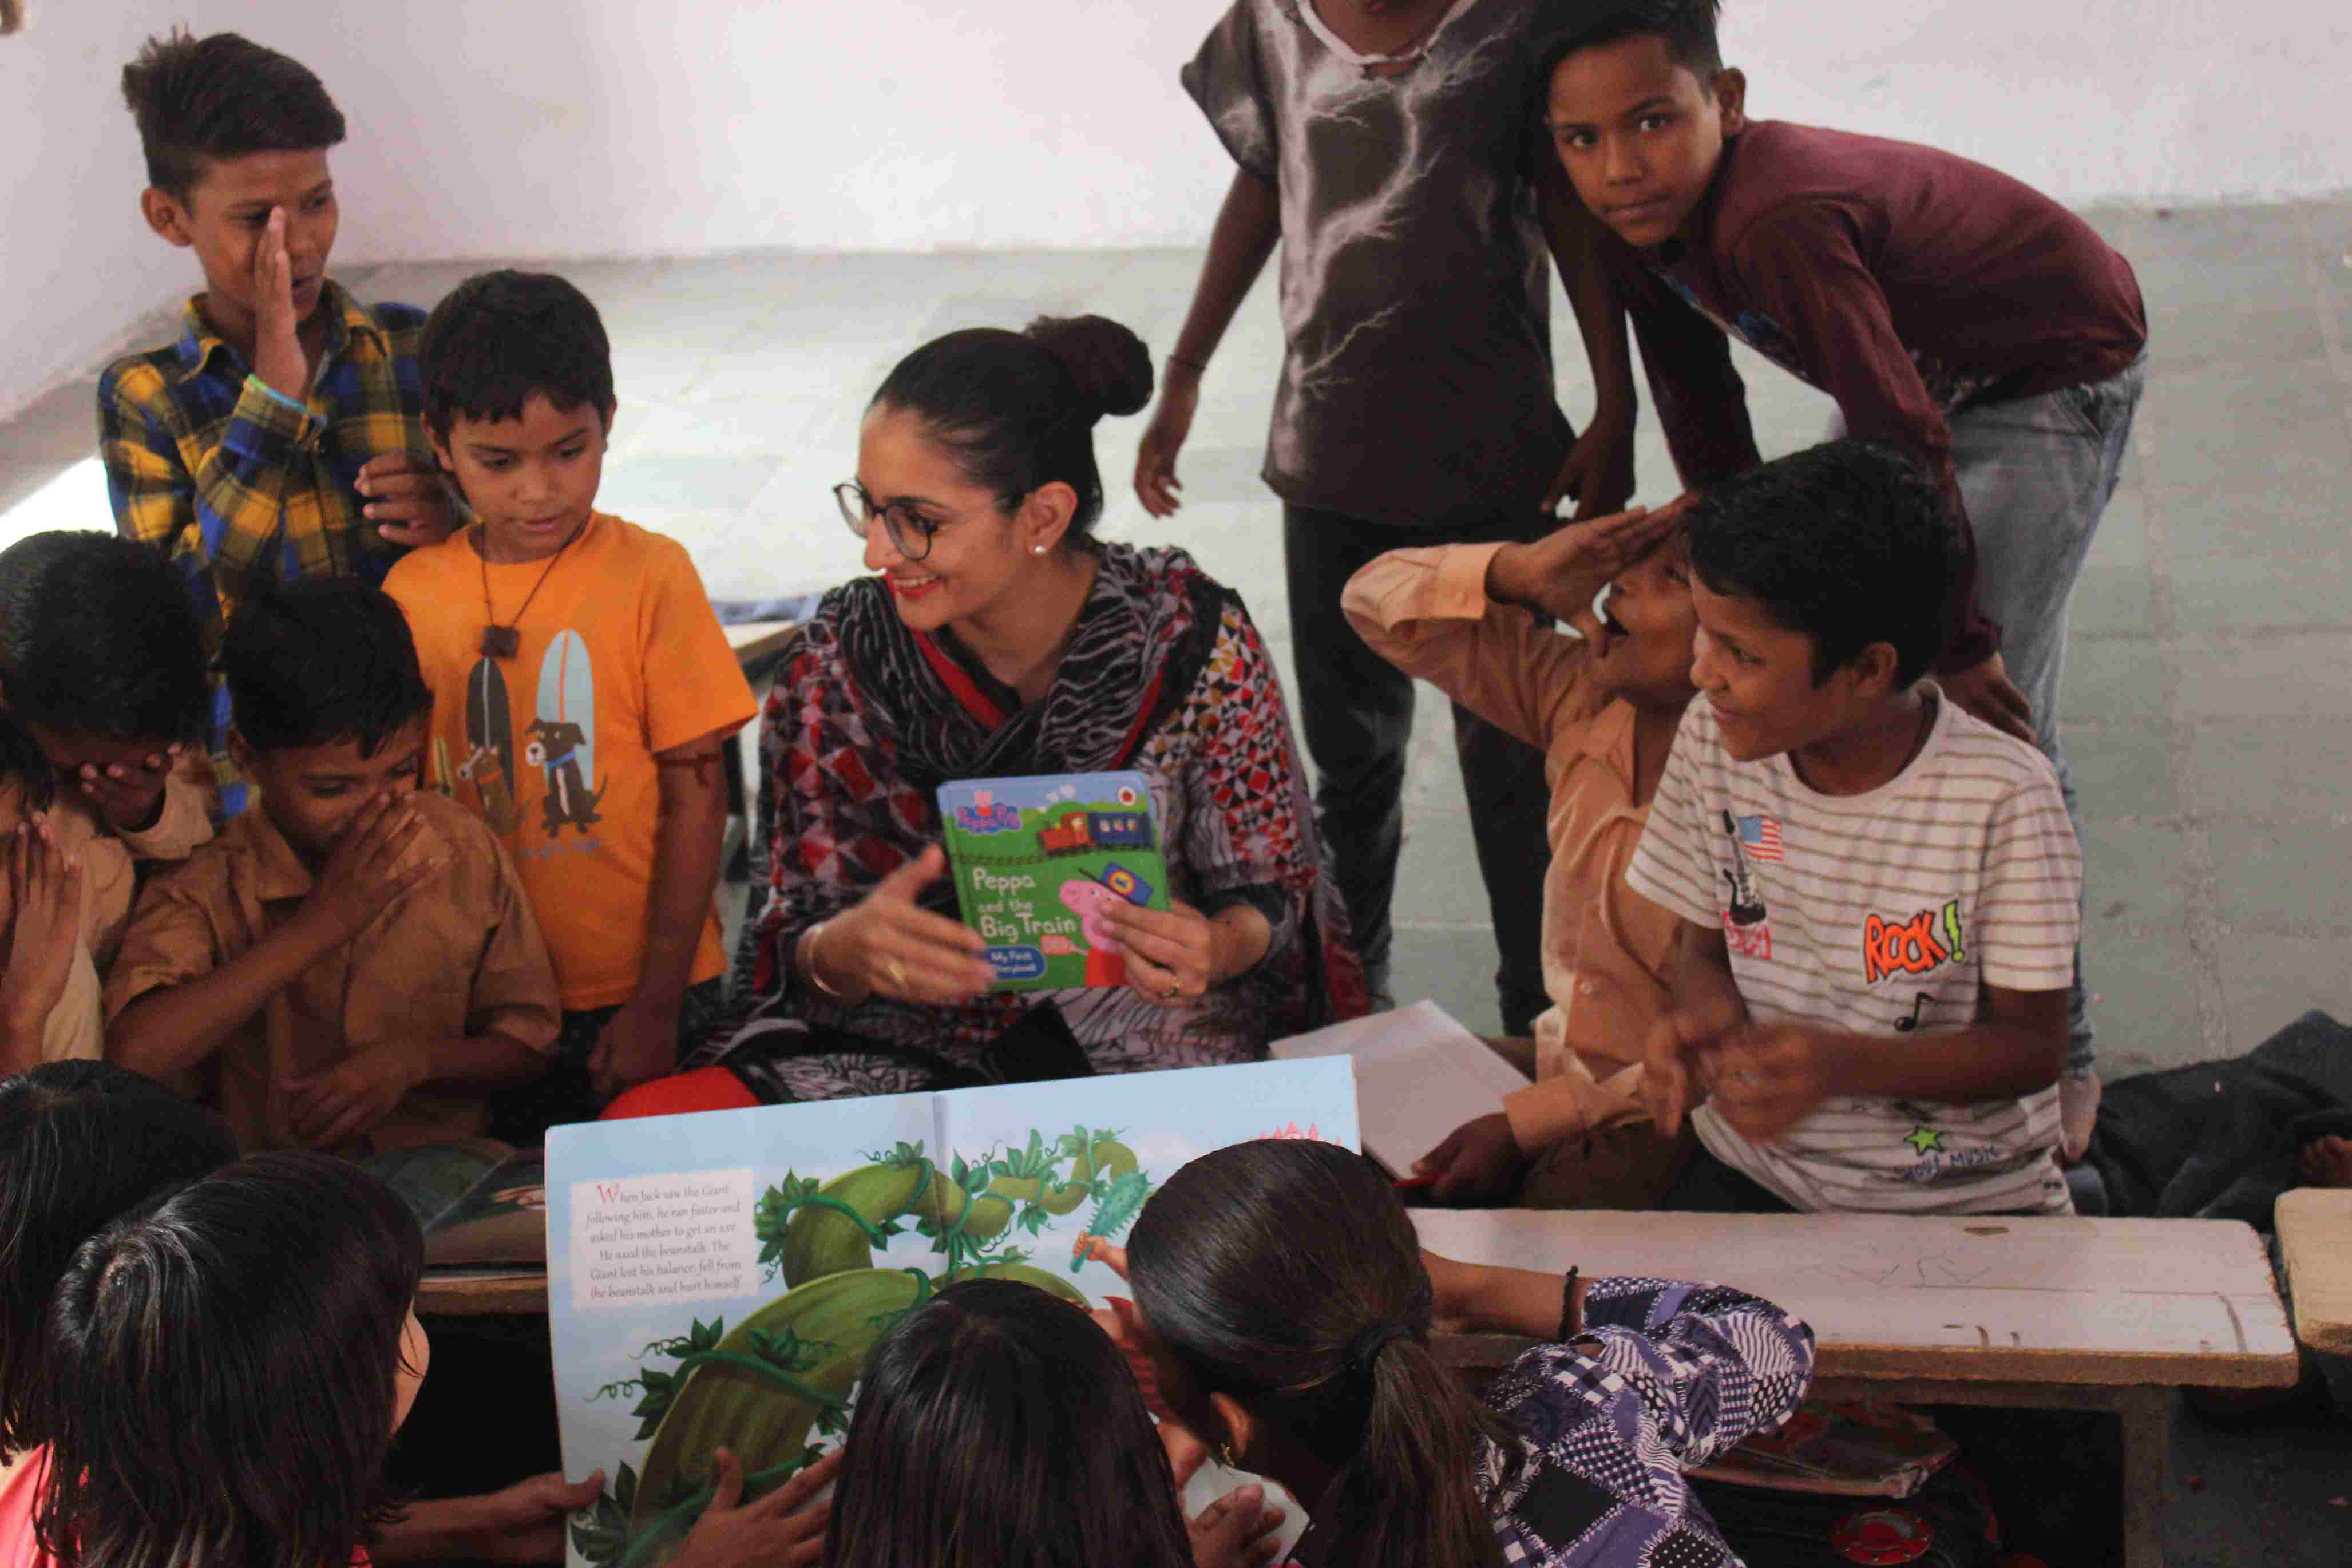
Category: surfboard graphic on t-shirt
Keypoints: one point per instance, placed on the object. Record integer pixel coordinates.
(490, 746)
(561, 739)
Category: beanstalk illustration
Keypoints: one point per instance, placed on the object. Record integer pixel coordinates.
(785, 1374)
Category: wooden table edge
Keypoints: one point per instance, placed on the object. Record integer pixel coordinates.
(520, 1295)
(1891, 1364)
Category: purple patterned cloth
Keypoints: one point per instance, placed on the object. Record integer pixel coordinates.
(1666, 1377)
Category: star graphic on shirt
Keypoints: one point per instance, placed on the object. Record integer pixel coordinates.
(1923, 1138)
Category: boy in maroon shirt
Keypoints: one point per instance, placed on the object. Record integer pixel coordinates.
(1945, 306)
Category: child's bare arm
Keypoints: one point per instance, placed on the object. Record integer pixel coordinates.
(331, 1108)
(1768, 1078)
(168, 1030)
(1248, 226)
(1486, 1299)
(1600, 468)
(641, 1042)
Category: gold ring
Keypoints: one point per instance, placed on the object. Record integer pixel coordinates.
(897, 973)
(1171, 991)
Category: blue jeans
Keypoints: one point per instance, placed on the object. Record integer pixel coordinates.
(1357, 710)
(2036, 474)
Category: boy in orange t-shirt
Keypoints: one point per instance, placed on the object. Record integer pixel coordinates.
(583, 688)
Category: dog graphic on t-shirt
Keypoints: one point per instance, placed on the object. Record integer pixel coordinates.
(555, 747)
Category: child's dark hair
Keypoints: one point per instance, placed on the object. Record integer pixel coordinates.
(81, 1143)
(98, 638)
(1848, 542)
(1018, 409)
(318, 662)
(23, 764)
(232, 1348)
(196, 99)
(996, 1425)
(1687, 27)
(498, 337)
(1286, 1274)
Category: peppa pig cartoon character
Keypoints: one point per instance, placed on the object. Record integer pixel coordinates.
(1106, 963)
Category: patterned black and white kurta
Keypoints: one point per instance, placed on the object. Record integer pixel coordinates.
(1416, 384)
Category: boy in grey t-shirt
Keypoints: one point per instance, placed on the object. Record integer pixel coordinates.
(1871, 993)
(1393, 151)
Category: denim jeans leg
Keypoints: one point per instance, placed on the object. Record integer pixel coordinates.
(1356, 709)
(2036, 473)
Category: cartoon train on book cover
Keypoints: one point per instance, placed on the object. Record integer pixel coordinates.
(1037, 862)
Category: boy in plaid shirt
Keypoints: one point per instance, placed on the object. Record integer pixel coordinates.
(280, 435)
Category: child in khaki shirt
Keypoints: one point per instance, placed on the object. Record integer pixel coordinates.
(64, 900)
(100, 685)
(1603, 710)
(352, 967)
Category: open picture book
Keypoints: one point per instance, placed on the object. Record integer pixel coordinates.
(721, 1278)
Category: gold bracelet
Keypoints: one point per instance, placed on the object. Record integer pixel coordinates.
(808, 951)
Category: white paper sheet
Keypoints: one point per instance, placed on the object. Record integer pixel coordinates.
(1418, 1076)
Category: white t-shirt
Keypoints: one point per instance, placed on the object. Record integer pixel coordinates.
(1886, 915)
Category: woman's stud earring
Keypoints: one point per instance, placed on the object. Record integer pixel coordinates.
(1036, 549)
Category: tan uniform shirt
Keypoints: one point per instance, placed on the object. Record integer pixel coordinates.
(460, 955)
(1608, 952)
(75, 1030)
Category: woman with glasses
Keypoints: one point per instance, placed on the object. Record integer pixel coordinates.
(998, 638)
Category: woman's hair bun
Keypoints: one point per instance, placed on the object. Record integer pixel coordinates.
(1110, 365)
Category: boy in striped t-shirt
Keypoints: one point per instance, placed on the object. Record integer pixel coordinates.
(1881, 889)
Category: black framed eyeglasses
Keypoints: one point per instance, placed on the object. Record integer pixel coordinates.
(910, 531)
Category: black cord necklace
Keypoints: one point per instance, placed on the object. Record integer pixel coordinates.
(505, 641)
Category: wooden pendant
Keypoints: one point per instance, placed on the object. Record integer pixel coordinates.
(501, 642)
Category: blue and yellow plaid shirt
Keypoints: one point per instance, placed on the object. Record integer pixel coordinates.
(238, 483)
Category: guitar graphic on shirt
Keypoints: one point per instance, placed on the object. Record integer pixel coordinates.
(490, 747)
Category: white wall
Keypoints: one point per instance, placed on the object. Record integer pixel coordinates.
(563, 128)
(75, 260)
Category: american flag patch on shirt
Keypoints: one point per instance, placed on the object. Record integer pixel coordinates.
(1761, 837)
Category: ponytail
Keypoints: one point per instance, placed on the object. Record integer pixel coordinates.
(1287, 1275)
(1411, 1495)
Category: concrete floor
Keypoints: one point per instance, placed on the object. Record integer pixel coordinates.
(2206, 697)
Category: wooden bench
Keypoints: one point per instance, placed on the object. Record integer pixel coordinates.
(2314, 1232)
(2071, 1314)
